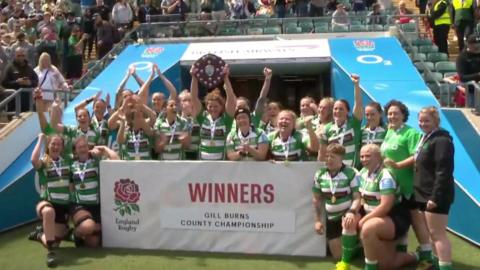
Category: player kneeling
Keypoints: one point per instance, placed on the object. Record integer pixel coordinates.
(85, 211)
(336, 186)
(386, 219)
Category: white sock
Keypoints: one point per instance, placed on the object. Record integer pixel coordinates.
(425, 247)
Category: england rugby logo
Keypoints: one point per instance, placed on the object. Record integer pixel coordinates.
(151, 52)
(364, 45)
(127, 195)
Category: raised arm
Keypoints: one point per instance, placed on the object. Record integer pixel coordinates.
(264, 92)
(314, 144)
(42, 120)
(121, 131)
(87, 101)
(121, 87)
(103, 151)
(196, 104)
(231, 100)
(145, 89)
(35, 159)
(168, 84)
(358, 104)
(56, 120)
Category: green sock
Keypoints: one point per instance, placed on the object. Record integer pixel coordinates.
(425, 255)
(401, 248)
(435, 262)
(349, 245)
(445, 266)
(371, 265)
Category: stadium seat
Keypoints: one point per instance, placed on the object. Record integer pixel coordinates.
(433, 77)
(357, 28)
(422, 42)
(191, 17)
(419, 57)
(307, 26)
(445, 66)
(321, 27)
(428, 48)
(413, 49)
(409, 27)
(437, 57)
(260, 23)
(293, 30)
(254, 31)
(262, 16)
(339, 28)
(272, 30)
(375, 27)
(274, 22)
(422, 66)
(228, 31)
(356, 22)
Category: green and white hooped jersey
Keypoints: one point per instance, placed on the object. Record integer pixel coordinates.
(373, 186)
(254, 138)
(173, 149)
(399, 145)
(54, 181)
(292, 150)
(213, 134)
(340, 187)
(137, 146)
(375, 136)
(71, 133)
(267, 127)
(86, 179)
(102, 129)
(348, 135)
(193, 129)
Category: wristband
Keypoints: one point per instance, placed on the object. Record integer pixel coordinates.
(89, 100)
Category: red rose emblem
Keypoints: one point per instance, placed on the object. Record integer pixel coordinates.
(126, 191)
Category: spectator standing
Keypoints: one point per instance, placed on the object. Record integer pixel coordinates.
(105, 36)
(468, 65)
(441, 24)
(463, 18)
(174, 7)
(340, 16)
(64, 35)
(376, 16)
(240, 9)
(88, 27)
(102, 9)
(145, 11)
(49, 6)
(49, 78)
(301, 8)
(403, 14)
(317, 8)
(19, 74)
(280, 8)
(122, 14)
(29, 29)
(46, 23)
(74, 64)
(29, 49)
(218, 10)
(48, 43)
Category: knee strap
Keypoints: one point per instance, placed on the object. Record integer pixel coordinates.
(82, 220)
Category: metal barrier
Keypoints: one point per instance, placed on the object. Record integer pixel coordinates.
(15, 95)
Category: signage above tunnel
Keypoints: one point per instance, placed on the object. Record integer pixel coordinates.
(310, 50)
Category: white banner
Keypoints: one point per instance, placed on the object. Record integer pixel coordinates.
(240, 207)
(268, 49)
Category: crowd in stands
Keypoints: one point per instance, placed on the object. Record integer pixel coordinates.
(376, 204)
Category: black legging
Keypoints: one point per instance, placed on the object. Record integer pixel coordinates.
(440, 37)
(463, 30)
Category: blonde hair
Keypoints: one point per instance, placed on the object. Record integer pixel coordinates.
(336, 149)
(44, 57)
(372, 148)
(292, 113)
(215, 96)
(184, 94)
(431, 111)
(47, 159)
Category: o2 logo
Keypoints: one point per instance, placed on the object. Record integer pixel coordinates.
(372, 59)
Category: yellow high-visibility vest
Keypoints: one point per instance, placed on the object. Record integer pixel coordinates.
(445, 18)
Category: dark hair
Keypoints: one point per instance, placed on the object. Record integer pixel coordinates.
(345, 102)
(403, 108)
(240, 111)
(377, 107)
(244, 99)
